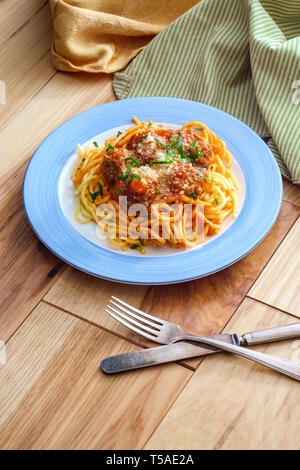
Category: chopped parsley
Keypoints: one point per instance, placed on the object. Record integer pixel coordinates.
(136, 247)
(134, 175)
(179, 146)
(160, 162)
(216, 200)
(205, 177)
(193, 195)
(141, 138)
(175, 144)
(96, 144)
(150, 124)
(157, 191)
(193, 145)
(109, 148)
(168, 160)
(97, 193)
(119, 191)
(133, 160)
(125, 176)
(197, 155)
(169, 154)
(162, 144)
(119, 133)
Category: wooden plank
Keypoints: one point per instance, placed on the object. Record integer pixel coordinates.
(27, 268)
(15, 14)
(203, 306)
(291, 192)
(53, 395)
(279, 283)
(25, 73)
(231, 403)
(85, 297)
(62, 97)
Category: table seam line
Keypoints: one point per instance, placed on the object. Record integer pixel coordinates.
(33, 308)
(90, 322)
(272, 306)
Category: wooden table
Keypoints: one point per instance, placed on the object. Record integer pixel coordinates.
(52, 394)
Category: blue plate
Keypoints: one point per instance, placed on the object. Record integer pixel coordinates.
(263, 194)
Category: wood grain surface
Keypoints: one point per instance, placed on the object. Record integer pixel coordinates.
(232, 403)
(25, 74)
(203, 306)
(52, 394)
(15, 14)
(291, 192)
(44, 99)
(279, 283)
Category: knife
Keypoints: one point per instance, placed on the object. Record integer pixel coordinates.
(187, 349)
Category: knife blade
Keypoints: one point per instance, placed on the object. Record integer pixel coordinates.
(162, 354)
(187, 349)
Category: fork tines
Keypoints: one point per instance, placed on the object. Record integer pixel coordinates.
(145, 324)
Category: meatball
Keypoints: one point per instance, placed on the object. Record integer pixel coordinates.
(183, 178)
(194, 145)
(143, 187)
(113, 165)
(143, 147)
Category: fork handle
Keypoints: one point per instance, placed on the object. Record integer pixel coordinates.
(272, 334)
(281, 365)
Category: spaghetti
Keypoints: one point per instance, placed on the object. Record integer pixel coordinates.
(163, 171)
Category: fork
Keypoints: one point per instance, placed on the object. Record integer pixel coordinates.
(165, 332)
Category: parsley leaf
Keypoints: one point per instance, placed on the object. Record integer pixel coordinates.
(96, 144)
(180, 148)
(133, 160)
(160, 162)
(162, 143)
(109, 148)
(136, 247)
(168, 160)
(193, 195)
(143, 137)
(119, 133)
(97, 193)
(134, 175)
(125, 176)
(169, 154)
(216, 200)
(205, 177)
(119, 191)
(192, 146)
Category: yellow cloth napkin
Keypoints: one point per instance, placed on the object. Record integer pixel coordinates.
(103, 35)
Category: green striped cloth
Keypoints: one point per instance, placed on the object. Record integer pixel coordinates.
(242, 56)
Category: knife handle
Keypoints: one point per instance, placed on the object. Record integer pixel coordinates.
(272, 334)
